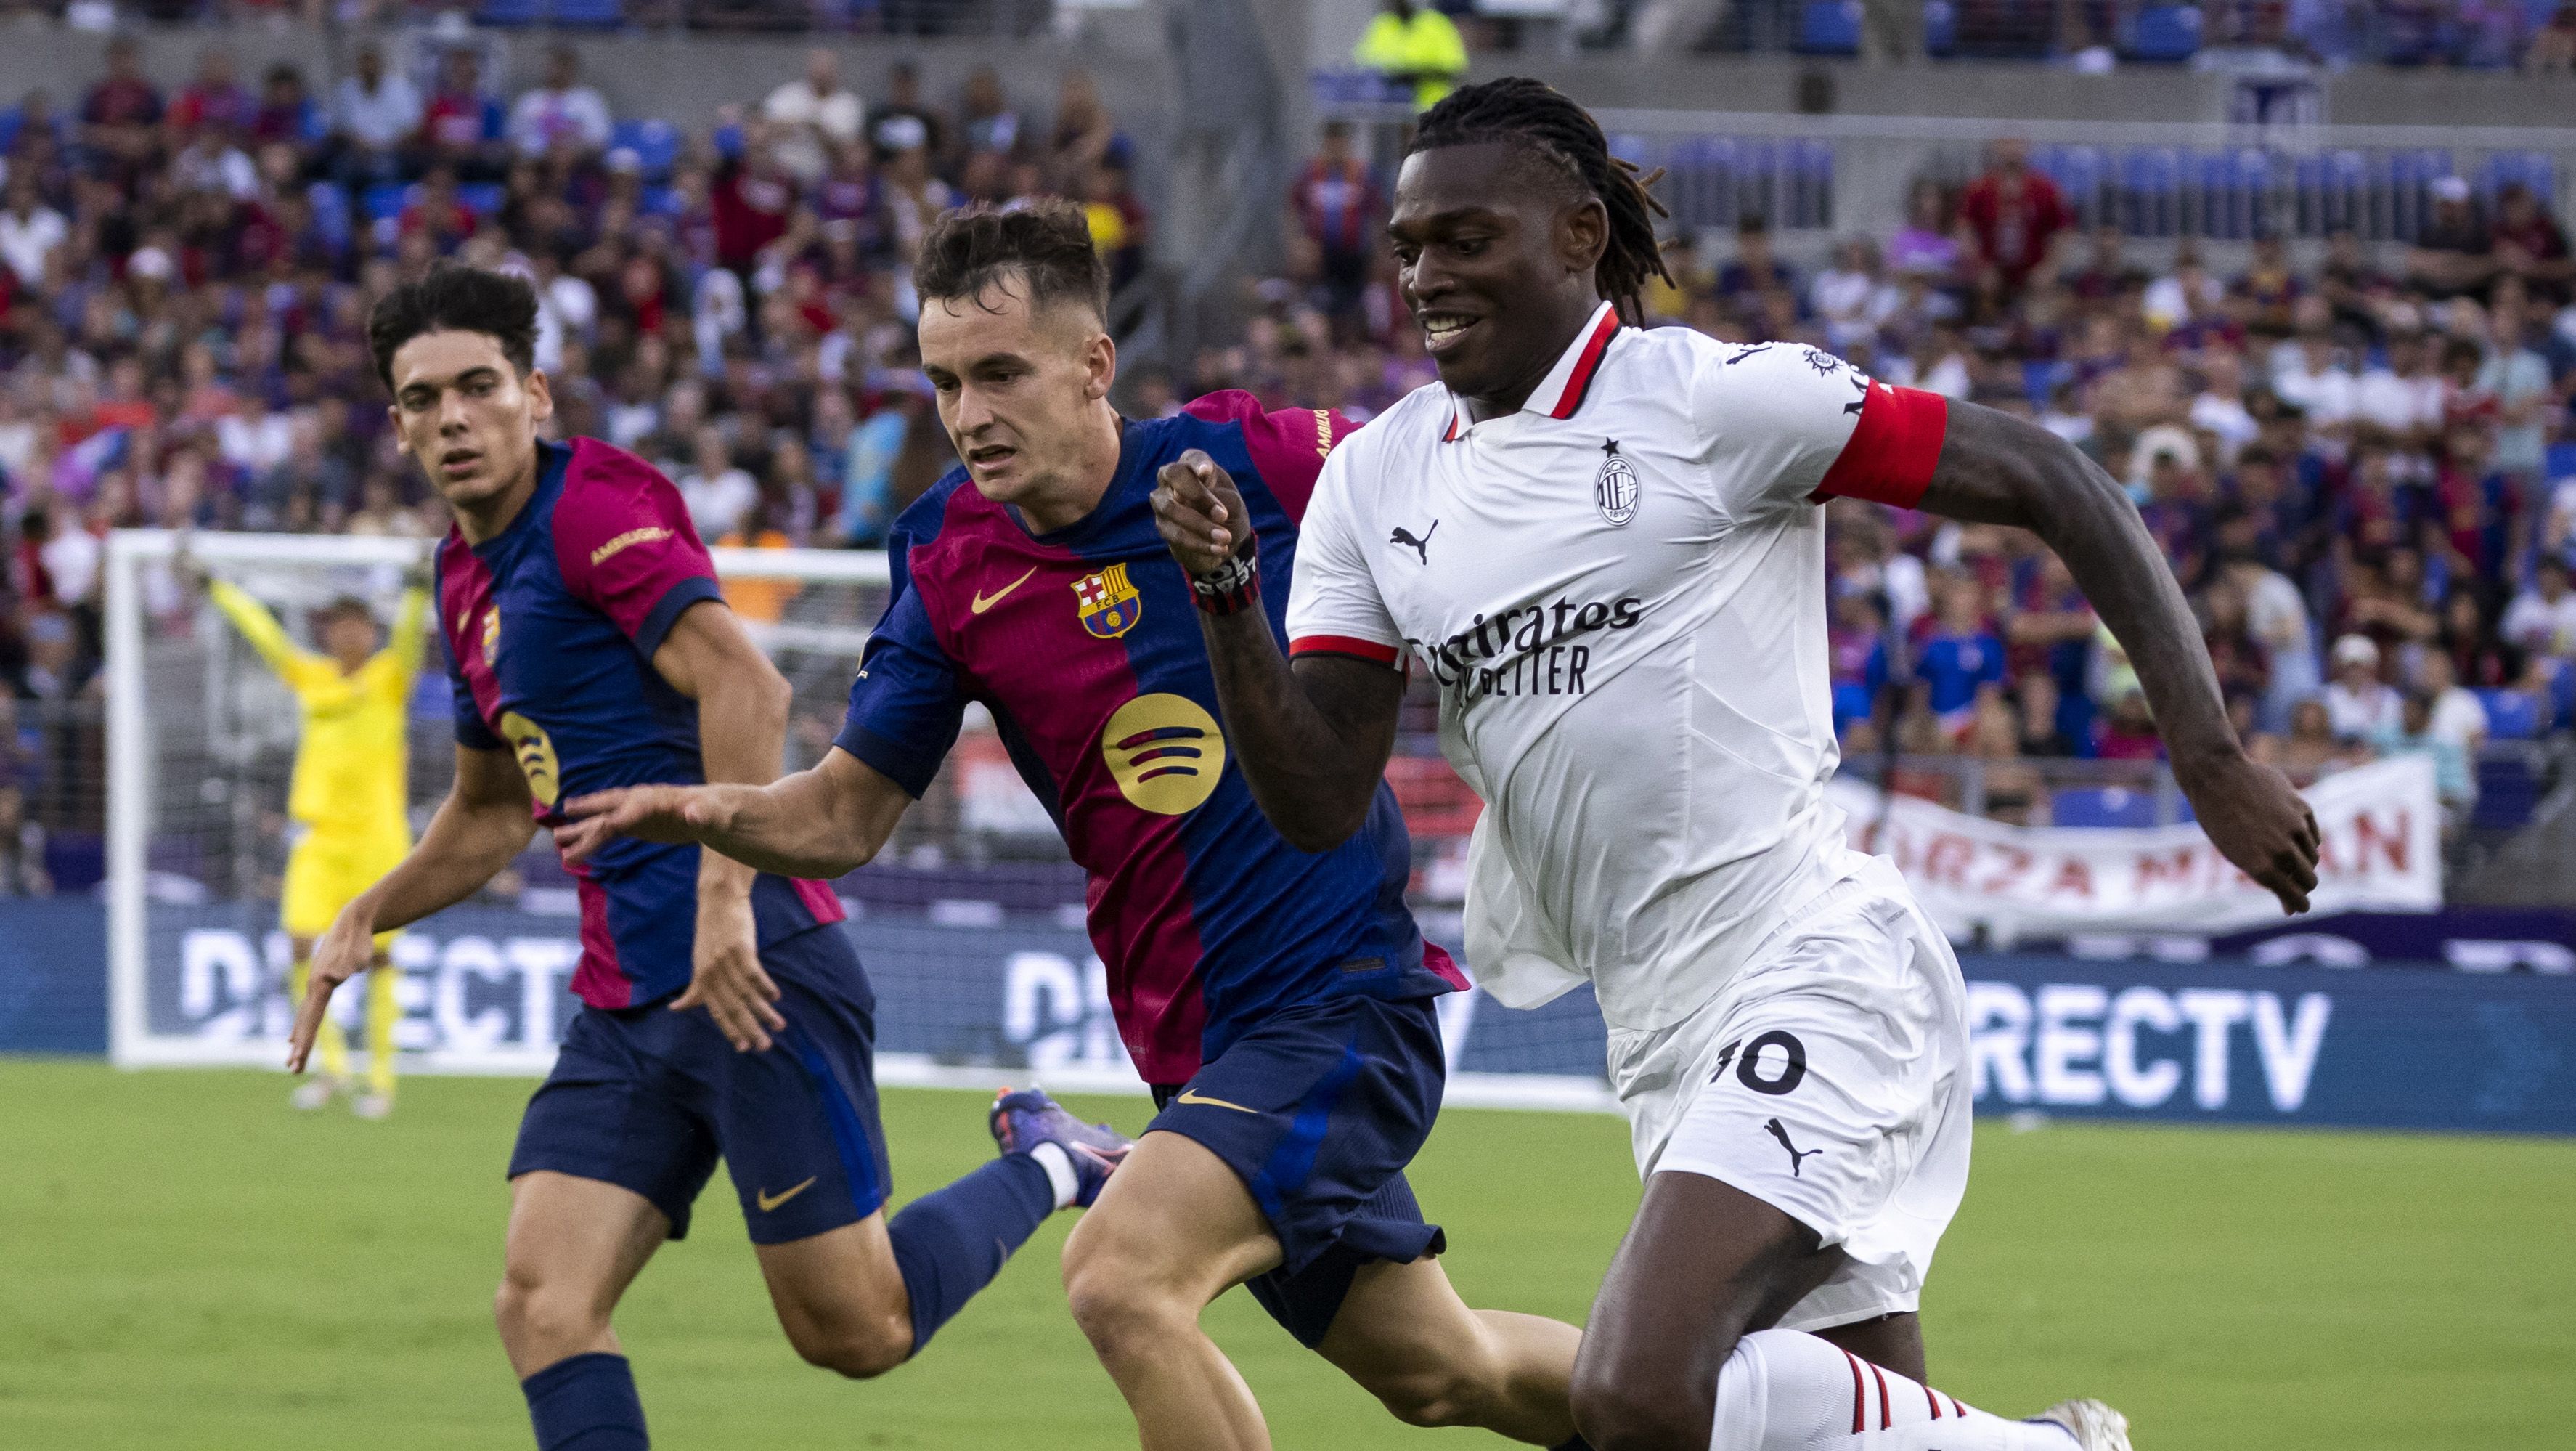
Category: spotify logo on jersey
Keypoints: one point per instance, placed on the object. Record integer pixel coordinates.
(536, 753)
(1165, 752)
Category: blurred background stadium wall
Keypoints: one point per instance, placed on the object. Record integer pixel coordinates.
(2297, 272)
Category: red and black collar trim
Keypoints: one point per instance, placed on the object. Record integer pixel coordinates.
(1586, 364)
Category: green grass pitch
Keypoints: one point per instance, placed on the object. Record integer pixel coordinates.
(185, 1263)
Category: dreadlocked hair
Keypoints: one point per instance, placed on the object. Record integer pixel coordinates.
(1546, 123)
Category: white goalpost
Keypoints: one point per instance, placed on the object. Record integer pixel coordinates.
(970, 924)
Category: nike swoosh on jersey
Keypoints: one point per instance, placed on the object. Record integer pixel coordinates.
(769, 1201)
(983, 602)
(1213, 1102)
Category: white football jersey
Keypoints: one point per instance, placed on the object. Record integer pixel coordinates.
(1620, 590)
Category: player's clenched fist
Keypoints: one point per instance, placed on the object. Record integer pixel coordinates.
(344, 952)
(1199, 513)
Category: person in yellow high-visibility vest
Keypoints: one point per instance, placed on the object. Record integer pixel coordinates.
(1416, 45)
(350, 802)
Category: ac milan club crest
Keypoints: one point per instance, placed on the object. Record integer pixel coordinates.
(1615, 488)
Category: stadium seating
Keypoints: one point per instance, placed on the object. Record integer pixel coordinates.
(2165, 33)
(2101, 806)
(656, 145)
(2512, 715)
(510, 12)
(1829, 27)
(2508, 790)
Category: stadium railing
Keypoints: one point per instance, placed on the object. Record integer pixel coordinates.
(2153, 180)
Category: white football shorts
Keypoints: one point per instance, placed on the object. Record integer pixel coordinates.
(1828, 1078)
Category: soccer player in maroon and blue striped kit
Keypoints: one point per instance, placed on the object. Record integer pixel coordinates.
(1280, 1002)
(589, 648)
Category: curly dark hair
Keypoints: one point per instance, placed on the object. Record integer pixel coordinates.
(1547, 125)
(1047, 244)
(500, 305)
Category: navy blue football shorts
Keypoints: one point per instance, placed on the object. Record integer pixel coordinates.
(1318, 1109)
(648, 1099)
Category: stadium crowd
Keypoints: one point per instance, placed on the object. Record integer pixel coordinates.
(2347, 458)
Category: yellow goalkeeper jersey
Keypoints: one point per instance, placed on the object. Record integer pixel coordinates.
(351, 761)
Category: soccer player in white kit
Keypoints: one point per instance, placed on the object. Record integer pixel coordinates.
(1606, 547)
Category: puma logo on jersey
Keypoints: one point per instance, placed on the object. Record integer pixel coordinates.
(1421, 546)
(1796, 1155)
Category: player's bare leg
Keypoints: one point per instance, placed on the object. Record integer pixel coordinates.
(574, 1245)
(1408, 1339)
(841, 1298)
(1679, 1345)
(1176, 1228)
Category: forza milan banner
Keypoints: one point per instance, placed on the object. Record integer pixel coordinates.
(2381, 823)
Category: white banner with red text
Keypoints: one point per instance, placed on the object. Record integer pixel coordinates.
(2382, 852)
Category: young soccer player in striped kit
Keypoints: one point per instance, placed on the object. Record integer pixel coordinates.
(725, 1012)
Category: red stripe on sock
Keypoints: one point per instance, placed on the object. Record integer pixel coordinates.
(1885, 1418)
(1933, 1401)
(1860, 1395)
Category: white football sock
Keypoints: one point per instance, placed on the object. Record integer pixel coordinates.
(1786, 1390)
(1059, 1171)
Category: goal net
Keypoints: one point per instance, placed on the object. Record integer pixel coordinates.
(970, 922)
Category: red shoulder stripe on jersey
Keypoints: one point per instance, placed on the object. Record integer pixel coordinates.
(1892, 450)
(1585, 366)
(1933, 1401)
(1886, 1416)
(1956, 1409)
(1345, 645)
(1452, 435)
(1860, 1395)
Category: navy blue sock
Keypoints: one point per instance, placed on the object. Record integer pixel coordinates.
(952, 1243)
(586, 1403)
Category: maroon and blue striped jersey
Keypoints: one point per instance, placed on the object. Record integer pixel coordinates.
(550, 629)
(1084, 645)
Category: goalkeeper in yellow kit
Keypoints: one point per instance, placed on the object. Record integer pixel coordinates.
(349, 803)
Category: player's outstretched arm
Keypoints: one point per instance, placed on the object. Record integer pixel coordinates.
(1312, 738)
(817, 823)
(1997, 469)
(479, 828)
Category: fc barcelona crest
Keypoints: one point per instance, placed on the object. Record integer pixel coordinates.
(1614, 490)
(1108, 604)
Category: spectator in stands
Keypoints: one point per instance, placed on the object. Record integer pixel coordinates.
(214, 100)
(286, 113)
(718, 492)
(561, 114)
(2530, 245)
(2014, 213)
(1925, 245)
(462, 127)
(2553, 46)
(986, 123)
(1756, 270)
(2013, 791)
(903, 121)
(2412, 734)
(1337, 207)
(1414, 48)
(1961, 657)
(1084, 134)
(813, 116)
(374, 115)
(2458, 715)
(22, 838)
(30, 231)
(1119, 226)
(2541, 620)
(2453, 255)
(2358, 703)
(2311, 374)
(2128, 729)
(121, 116)
(2401, 397)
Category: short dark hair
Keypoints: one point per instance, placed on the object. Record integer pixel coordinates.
(500, 305)
(1047, 243)
(344, 607)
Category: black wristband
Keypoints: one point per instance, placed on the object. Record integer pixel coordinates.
(1233, 586)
